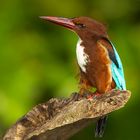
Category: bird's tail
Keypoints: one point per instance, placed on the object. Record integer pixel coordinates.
(100, 126)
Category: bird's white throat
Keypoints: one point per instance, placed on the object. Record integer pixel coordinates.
(82, 57)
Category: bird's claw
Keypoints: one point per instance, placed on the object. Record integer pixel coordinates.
(93, 96)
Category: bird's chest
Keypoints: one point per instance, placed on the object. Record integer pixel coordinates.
(97, 57)
(82, 56)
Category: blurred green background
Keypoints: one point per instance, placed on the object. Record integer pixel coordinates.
(37, 59)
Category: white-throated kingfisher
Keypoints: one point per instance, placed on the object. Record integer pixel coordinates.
(99, 63)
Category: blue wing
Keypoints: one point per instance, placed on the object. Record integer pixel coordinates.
(117, 71)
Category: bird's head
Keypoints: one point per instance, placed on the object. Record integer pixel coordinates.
(81, 25)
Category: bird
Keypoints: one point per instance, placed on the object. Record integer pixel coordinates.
(99, 63)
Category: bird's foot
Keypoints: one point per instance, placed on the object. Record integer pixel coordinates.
(93, 95)
(86, 94)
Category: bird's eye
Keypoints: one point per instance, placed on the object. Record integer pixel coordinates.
(80, 25)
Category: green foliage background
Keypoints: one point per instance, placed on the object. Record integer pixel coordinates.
(37, 59)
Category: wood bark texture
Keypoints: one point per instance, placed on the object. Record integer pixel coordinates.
(59, 119)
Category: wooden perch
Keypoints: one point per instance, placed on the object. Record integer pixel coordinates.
(59, 119)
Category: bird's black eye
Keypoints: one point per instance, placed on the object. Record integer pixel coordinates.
(80, 25)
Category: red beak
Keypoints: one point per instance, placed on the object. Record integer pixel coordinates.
(66, 22)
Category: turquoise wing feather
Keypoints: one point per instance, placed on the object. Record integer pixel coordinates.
(117, 71)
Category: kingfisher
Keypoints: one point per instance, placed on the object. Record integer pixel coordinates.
(99, 63)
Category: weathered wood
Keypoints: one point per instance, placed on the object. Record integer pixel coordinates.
(59, 119)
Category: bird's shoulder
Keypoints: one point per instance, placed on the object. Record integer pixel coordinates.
(103, 42)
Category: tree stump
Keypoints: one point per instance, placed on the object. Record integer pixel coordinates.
(59, 119)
